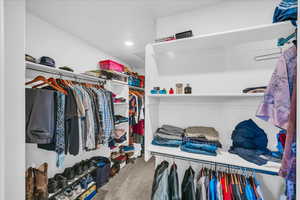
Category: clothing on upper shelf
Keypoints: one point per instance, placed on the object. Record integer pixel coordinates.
(199, 140)
(286, 10)
(120, 119)
(202, 135)
(71, 123)
(261, 89)
(167, 135)
(279, 105)
(118, 99)
(118, 137)
(205, 149)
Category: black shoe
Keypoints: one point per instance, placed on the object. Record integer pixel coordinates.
(61, 180)
(52, 185)
(69, 173)
(78, 169)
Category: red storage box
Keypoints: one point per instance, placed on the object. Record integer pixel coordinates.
(111, 65)
(142, 83)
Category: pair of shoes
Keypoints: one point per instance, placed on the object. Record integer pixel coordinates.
(115, 169)
(37, 183)
(56, 183)
(69, 173)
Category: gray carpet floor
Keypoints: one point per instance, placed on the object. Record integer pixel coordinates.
(133, 182)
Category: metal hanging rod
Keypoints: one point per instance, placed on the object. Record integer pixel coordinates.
(269, 56)
(62, 73)
(216, 164)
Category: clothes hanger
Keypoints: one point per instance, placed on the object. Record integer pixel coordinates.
(53, 81)
(44, 80)
(283, 41)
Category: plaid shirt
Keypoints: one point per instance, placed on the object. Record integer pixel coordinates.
(106, 114)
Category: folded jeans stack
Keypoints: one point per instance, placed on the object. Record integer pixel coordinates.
(167, 135)
(202, 135)
(205, 149)
(201, 140)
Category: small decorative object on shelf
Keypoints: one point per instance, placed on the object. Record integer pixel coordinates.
(171, 91)
(179, 88)
(188, 89)
(163, 91)
(185, 34)
(155, 90)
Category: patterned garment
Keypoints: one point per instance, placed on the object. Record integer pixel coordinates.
(106, 115)
(89, 136)
(276, 106)
(60, 130)
(279, 108)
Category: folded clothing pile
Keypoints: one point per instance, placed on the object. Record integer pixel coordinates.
(205, 149)
(250, 142)
(201, 140)
(120, 119)
(202, 135)
(167, 135)
(119, 136)
(118, 99)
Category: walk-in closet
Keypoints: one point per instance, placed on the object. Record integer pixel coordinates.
(149, 100)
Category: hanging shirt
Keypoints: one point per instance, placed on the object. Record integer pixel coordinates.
(60, 130)
(188, 191)
(276, 104)
(212, 189)
(89, 136)
(225, 189)
(219, 191)
(173, 183)
(160, 182)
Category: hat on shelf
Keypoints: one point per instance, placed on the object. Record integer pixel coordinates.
(44, 60)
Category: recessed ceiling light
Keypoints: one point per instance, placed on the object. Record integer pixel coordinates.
(129, 43)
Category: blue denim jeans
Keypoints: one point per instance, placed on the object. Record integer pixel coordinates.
(250, 155)
(197, 151)
(204, 147)
(166, 142)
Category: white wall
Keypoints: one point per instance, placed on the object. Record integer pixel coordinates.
(44, 39)
(2, 149)
(223, 16)
(13, 98)
(139, 70)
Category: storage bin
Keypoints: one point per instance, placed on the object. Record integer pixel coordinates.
(111, 65)
(133, 81)
(142, 81)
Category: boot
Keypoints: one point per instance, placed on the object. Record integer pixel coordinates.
(41, 182)
(29, 184)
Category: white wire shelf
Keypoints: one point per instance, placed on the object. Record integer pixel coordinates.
(59, 72)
